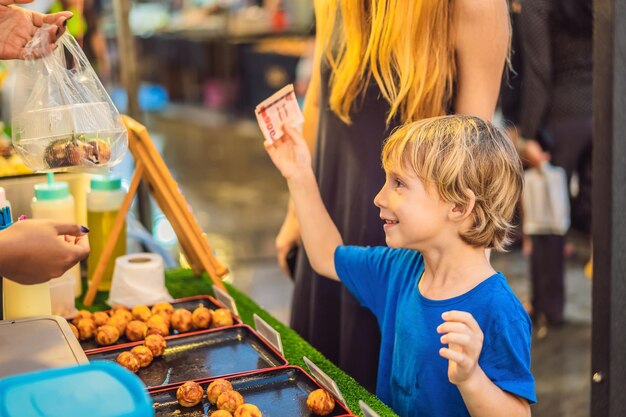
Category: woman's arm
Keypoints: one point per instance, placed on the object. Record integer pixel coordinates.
(289, 234)
(482, 32)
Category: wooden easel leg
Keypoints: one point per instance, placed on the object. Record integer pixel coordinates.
(114, 236)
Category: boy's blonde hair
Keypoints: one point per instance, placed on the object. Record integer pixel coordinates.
(459, 153)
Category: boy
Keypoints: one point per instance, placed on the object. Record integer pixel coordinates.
(455, 339)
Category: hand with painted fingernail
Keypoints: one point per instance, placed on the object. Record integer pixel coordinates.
(463, 338)
(18, 25)
(34, 251)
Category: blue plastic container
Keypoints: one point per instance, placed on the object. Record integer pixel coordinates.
(100, 389)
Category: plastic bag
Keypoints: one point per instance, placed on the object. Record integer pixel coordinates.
(63, 117)
(546, 201)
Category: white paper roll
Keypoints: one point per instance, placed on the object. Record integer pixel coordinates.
(138, 278)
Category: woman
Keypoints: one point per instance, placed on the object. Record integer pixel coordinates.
(556, 94)
(377, 64)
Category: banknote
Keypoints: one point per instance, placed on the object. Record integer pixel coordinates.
(279, 109)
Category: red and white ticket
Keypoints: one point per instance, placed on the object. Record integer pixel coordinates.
(279, 109)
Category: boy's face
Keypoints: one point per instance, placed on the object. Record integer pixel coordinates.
(413, 214)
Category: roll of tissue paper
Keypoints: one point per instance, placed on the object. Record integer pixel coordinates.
(138, 278)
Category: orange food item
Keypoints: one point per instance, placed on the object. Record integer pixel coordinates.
(136, 330)
(156, 343)
(143, 354)
(320, 402)
(222, 317)
(201, 318)
(125, 314)
(100, 318)
(229, 401)
(118, 321)
(86, 329)
(158, 328)
(128, 361)
(107, 335)
(141, 312)
(81, 314)
(74, 330)
(164, 308)
(189, 394)
(181, 320)
(221, 413)
(216, 388)
(248, 410)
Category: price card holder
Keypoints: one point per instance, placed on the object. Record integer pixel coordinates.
(367, 411)
(327, 382)
(268, 333)
(228, 302)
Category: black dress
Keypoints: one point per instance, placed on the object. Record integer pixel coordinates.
(349, 172)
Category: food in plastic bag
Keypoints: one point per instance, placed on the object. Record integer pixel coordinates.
(63, 117)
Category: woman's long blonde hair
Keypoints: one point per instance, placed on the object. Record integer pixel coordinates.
(407, 46)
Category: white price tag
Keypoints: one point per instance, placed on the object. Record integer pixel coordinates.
(367, 411)
(327, 382)
(279, 109)
(224, 298)
(268, 333)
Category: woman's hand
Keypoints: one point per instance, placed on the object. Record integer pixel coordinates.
(287, 238)
(18, 25)
(35, 251)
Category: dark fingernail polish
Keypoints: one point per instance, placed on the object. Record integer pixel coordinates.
(84, 229)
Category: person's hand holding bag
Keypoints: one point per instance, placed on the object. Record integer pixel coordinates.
(18, 25)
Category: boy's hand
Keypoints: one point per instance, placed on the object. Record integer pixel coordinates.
(464, 338)
(290, 153)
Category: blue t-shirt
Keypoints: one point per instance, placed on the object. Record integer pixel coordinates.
(412, 377)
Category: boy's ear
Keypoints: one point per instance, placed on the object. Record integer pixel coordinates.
(460, 212)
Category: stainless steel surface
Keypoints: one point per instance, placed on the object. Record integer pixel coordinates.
(36, 343)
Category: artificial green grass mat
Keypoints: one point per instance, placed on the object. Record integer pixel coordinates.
(182, 283)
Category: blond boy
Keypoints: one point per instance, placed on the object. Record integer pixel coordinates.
(455, 339)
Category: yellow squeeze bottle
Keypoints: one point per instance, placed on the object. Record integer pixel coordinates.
(21, 300)
(103, 203)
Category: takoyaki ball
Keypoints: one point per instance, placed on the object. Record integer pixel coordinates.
(221, 413)
(156, 343)
(181, 320)
(216, 388)
(100, 318)
(128, 361)
(143, 354)
(248, 410)
(125, 314)
(119, 307)
(86, 329)
(229, 401)
(222, 317)
(320, 402)
(163, 308)
(167, 318)
(136, 330)
(74, 330)
(81, 314)
(189, 394)
(141, 312)
(118, 321)
(107, 335)
(201, 318)
(158, 328)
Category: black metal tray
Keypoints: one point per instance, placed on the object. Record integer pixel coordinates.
(190, 303)
(278, 392)
(203, 354)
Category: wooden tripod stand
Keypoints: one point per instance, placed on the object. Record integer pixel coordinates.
(150, 167)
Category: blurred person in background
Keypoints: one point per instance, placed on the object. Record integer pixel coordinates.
(555, 119)
(378, 64)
